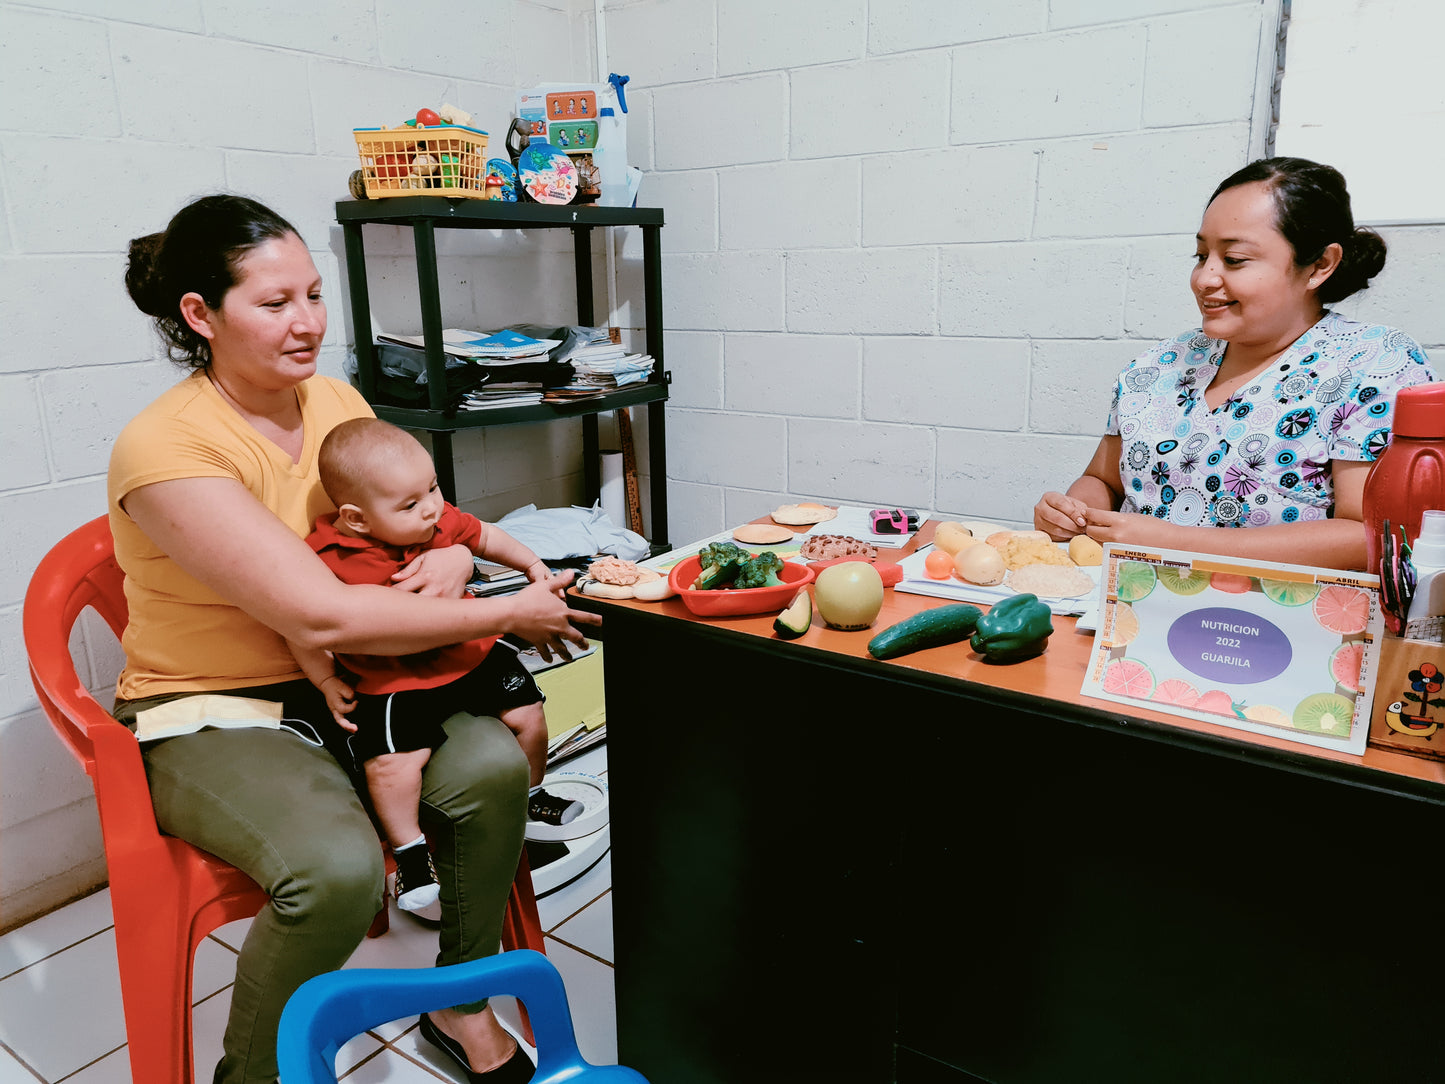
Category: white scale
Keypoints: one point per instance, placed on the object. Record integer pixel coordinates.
(585, 837)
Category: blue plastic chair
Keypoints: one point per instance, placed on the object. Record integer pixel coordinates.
(327, 1011)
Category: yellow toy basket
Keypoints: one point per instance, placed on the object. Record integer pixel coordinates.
(444, 160)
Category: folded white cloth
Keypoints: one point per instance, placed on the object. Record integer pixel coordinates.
(558, 533)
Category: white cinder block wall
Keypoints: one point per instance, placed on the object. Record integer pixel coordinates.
(114, 116)
(909, 244)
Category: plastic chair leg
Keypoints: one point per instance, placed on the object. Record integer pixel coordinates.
(159, 949)
(522, 927)
(381, 923)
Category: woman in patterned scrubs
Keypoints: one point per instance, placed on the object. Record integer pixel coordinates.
(1270, 414)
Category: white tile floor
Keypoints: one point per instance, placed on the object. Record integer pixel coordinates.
(61, 967)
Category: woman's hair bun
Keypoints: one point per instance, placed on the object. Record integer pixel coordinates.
(142, 275)
(1363, 257)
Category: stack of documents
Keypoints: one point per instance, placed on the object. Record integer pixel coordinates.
(613, 372)
(481, 347)
(519, 393)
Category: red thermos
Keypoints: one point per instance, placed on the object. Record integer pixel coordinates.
(1409, 477)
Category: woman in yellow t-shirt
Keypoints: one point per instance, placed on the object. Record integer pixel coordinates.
(212, 490)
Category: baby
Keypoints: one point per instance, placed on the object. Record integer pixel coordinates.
(389, 510)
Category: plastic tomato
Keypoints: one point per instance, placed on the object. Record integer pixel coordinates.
(393, 166)
(427, 116)
(938, 565)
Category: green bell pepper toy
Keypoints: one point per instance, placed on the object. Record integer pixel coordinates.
(1015, 629)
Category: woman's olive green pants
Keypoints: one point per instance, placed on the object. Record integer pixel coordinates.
(286, 813)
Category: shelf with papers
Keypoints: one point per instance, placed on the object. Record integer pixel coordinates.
(425, 215)
(434, 421)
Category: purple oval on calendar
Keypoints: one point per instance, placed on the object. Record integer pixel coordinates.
(1229, 646)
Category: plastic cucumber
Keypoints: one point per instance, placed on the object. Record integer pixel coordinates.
(931, 628)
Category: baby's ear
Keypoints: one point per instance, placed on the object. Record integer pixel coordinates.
(352, 518)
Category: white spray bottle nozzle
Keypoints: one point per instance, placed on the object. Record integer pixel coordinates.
(1428, 549)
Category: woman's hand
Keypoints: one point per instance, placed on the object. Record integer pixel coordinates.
(1138, 530)
(1060, 516)
(544, 619)
(442, 572)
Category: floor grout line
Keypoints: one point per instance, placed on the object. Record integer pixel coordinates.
(574, 914)
(416, 1061)
(583, 951)
(57, 952)
(208, 997)
(24, 1064)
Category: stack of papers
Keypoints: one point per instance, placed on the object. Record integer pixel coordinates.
(520, 393)
(601, 364)
(595, 342)
(613, 372)
(480, 347)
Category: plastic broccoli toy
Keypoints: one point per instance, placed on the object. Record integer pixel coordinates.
(727, 565)
(761, 571)
(719, 565)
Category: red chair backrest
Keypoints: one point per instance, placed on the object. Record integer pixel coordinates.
(81, 571)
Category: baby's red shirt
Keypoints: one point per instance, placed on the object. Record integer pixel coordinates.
(365, 560)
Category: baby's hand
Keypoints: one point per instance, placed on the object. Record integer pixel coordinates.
(341, 699)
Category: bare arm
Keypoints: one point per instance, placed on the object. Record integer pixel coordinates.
(320, 669)
(215, 530)
(1064, 515)
(318, 665)
(1329, 543)
(498, 546)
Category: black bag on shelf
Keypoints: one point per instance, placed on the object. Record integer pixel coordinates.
(401, 378)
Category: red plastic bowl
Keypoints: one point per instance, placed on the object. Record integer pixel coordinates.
(728, 602)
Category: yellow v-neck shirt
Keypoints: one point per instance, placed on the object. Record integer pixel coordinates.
(182, 636)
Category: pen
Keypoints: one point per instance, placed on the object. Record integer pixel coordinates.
(1389, 584)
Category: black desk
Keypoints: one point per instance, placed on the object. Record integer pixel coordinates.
(933, 870)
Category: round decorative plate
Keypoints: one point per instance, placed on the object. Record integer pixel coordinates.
(546, 174)
(503, 171)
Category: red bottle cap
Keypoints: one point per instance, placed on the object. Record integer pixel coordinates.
(1420, 412)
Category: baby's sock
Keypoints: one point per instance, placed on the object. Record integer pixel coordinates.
(416, 877)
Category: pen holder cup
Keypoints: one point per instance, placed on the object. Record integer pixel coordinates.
(1408, 715)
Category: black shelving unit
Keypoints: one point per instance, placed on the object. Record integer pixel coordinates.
(425, 215)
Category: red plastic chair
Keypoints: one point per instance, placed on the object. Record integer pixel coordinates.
(166, 895)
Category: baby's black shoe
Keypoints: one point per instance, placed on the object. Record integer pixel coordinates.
(416, 878)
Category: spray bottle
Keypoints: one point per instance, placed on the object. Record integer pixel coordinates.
(1427, 611)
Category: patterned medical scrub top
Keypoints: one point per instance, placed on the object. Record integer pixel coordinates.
(1263, 455)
